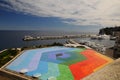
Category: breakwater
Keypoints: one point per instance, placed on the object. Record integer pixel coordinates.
(30, 38)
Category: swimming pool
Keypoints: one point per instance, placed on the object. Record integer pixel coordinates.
(61, 63)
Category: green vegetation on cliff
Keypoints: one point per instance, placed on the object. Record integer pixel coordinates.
(109, 30)
(7, 55)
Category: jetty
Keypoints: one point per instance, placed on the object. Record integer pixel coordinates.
(30, 38)
(73, 43)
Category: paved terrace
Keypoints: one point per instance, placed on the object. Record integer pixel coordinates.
(110, 72)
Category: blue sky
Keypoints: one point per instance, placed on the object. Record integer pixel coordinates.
(10, 20)
(66, 15)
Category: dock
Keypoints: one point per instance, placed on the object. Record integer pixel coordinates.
(73, 43)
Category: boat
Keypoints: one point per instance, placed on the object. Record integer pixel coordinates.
(100, 37)
(112, 38)
(27, 38)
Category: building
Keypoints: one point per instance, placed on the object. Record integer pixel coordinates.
(116, 52)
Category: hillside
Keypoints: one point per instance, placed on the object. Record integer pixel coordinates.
(109, 30)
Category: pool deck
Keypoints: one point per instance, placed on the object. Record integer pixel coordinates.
(19, 76)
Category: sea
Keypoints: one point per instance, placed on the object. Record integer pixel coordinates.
(14, 38)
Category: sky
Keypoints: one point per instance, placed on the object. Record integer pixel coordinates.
(61, 15)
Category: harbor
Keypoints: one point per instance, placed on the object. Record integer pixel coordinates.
(96, 42)
(86, 44)
(96, 46)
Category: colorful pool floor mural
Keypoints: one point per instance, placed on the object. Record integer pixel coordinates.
(61, 63)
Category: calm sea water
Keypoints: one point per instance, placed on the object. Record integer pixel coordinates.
(10, 39)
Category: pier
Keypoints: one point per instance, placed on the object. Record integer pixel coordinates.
(73, 43)
(30, 38)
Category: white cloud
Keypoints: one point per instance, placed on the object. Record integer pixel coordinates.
(81, 12)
